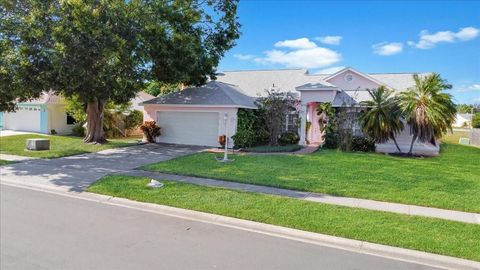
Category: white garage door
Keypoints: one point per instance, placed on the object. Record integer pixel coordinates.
(194, 128)
(24, 119)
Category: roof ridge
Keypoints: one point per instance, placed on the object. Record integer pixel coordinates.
(273, 69)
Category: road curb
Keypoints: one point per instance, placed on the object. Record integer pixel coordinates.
(396, 253)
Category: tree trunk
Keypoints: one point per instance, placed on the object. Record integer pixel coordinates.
(411, 145)
(95, 133)
(396, 144)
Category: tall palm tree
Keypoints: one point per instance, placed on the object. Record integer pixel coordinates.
(429, 112)
(382, 120)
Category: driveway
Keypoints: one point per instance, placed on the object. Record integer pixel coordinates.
(75, 173)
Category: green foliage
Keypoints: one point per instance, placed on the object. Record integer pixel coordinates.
(133, 120)
(273, 148)
(429, 112)
(326, 114)
(288, 137)
(150, 130)
(101, 51)
(465, 108)
(382, 120)
(250, 129)
(76, 109)
(363, 144)
(476, 120)
(78, 130)
(273, 109)
(156, 89)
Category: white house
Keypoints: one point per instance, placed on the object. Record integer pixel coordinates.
(463, 120)
(47, 114)
(196, 115)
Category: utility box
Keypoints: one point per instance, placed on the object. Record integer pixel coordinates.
(38, 144)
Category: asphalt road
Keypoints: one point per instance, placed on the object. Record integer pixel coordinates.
(47, 231)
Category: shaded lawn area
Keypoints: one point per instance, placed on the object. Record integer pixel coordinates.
(60, 146)
(420, 233)
(3, 162)
(450, 181)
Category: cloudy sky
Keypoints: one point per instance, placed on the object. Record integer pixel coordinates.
(324, 37)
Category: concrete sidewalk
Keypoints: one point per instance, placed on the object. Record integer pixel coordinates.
(317, 197)
(14, 157)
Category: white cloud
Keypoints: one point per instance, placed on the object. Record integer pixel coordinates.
(474, 86)
(301, 43)
(467, 88)
(428, 41)
(331, 40)
(244, 56)
(296, 53)
(385, 48)
(329, 70)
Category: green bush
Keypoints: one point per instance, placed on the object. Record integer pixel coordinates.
(332, 140)
(78, 130)
(363, 144)
(476, 120)
(150, 130)
(133, 120)
(250, 129)
(288, 137)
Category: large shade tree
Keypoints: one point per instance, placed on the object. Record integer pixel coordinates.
(428, 110)
(382, 120)
(104, 50)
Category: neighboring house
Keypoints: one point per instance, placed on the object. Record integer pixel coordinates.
(463, 120)
(42, 115)
(47, 114)
(195, 115)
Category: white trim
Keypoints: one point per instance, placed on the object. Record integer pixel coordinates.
(364, 75)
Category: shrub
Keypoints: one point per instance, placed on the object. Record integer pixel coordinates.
(222, 140)
(78, 130)
(250, 129)
(150, 130)
(476, 120)
(289, 137)
(332, 140)
(363, 144)
(133, 120)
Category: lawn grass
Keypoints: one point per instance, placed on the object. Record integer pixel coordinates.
(60, 146)
(273, 149)
(4, 162)
(420, 233)
(453, 138)
(450, 181)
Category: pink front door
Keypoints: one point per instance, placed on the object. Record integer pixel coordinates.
(314, 135)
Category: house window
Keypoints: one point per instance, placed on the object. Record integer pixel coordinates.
(291, 122)
(70, 119)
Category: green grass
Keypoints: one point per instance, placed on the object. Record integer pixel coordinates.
(450, 181)
(60, 146)
(425, 234)
(272, 149)
(4, 162)
(454, 137)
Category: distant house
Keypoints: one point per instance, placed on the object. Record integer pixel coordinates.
(47, 114)
(463, 120)
(197, 115)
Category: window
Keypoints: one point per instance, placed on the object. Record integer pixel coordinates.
(291, 121)
(70, 119)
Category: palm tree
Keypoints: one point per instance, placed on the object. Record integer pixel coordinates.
(382, 121)
(429, 112)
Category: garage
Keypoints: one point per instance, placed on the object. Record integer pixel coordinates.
(24, 119)
(198, 115)
(183, 127)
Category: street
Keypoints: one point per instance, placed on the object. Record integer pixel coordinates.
(42, 230)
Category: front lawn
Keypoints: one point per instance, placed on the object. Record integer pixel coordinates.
(273, 149)
(450, 181)
(59, 145)
(420, 233)
(455, 136)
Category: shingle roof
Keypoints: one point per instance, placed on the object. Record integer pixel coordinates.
(316, 86)
(213, 93)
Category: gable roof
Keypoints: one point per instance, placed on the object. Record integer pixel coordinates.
(46, 97)
(212, 94)
(364, 75)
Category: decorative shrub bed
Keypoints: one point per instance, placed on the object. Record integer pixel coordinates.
(273, 149)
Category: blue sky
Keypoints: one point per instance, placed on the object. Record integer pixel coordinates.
(428, 36)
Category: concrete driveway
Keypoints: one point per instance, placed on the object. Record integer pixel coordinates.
(75, 173)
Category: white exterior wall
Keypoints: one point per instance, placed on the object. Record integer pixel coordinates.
(152, 109)
(57, 120)
(404, 139)
(26, 118)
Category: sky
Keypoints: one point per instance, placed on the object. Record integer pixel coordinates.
(372, 37)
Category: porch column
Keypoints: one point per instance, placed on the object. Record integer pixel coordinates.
(303, 124)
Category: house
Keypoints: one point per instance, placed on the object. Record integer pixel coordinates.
(47, 114)
(463, 120)
(196, 115)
